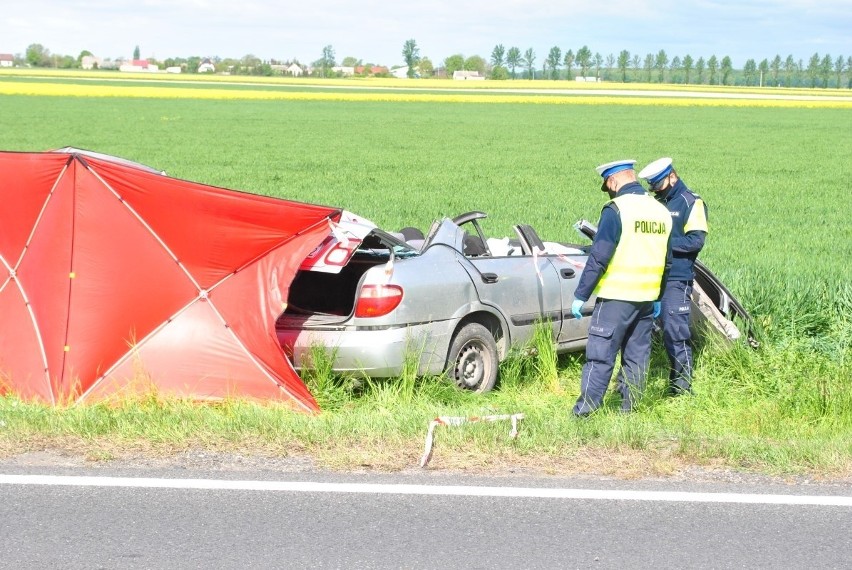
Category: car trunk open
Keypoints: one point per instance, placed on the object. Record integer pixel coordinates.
(320, 297)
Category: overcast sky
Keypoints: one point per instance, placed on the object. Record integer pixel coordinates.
(375, 30)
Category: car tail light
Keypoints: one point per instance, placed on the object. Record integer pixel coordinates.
(378, 300)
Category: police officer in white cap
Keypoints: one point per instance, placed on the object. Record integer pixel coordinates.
(689, 230)
(626, 268)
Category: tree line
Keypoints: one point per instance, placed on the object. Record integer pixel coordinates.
(511, 63)
(820, 71)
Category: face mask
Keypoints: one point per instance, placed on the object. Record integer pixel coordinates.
(658, 186)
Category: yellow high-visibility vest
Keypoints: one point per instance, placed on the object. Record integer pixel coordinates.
(635, 271)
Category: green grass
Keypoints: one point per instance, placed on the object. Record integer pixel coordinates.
(782, 423)
(780, 239)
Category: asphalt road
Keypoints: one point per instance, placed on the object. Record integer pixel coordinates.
(175, 518)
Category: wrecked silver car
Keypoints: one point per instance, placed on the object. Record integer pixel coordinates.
(456, 299)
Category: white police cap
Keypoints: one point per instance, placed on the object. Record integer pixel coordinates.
(610, 168)
(657, 170)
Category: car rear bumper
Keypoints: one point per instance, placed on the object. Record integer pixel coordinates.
(377, 353)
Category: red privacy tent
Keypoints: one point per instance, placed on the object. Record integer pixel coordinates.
(118, 279)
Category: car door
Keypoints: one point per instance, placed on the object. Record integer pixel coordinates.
(525, 288)
(568, 263)
(573, 332)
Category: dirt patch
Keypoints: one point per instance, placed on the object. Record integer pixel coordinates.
(619, 465)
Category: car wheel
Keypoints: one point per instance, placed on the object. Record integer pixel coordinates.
(473, 362)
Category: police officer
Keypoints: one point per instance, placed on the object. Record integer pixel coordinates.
(689, 230)
(626, 268)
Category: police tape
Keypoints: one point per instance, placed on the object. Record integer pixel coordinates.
(535, 253)
(460, 420)
(535, 264)
(566, 259)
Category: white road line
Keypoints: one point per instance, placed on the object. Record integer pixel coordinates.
(399, 489)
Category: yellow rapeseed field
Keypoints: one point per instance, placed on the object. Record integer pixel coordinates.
(394, 83)
(337, 93)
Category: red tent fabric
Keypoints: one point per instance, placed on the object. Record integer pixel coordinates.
(117, 279)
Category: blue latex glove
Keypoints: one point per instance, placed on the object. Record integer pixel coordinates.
(576, 306)
(658, 308)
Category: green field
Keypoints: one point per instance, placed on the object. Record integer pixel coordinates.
(780, 236)
(769, 175)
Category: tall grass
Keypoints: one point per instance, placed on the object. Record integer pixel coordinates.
(764, 410)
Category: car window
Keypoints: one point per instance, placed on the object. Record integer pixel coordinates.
(380, 244)
(473, 244)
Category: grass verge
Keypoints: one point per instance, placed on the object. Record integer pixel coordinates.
(765, 411)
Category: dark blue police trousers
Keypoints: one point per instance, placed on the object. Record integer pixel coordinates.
(675, 314)
(616, 325)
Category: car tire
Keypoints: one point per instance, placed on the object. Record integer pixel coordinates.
(473, 361)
